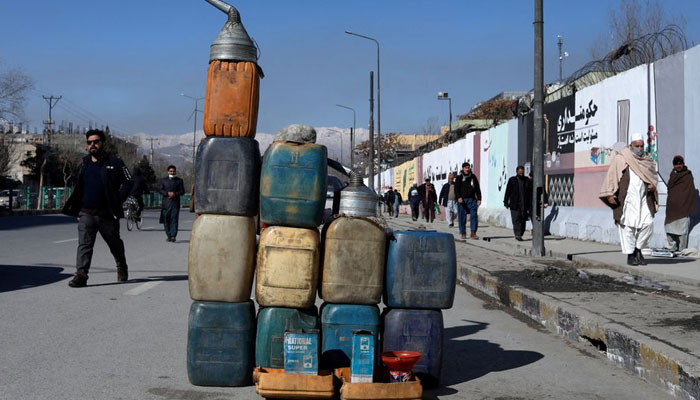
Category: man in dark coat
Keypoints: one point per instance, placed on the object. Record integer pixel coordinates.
(397, 202)
(104, 182)
(389, 201)
(171, 188)
(414, 200)
(682, 201)
(468, 194)
(138, 189)
(428, 196)
(518, 198)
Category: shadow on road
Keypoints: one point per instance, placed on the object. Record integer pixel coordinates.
(470, 359)
(18, 277)
(164, 278)
(30, 221)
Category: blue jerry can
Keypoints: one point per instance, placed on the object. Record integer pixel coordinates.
(272, 323)
(416, 330)
(227, 176)
(421, 270)
(293, 184)
(338, 323)
(220, 343)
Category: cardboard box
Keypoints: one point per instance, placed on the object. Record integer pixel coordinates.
(301, 352)
(362, 362)
(273, 383)
(412, 390)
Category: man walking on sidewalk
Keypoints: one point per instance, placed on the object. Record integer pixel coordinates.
(682, 201)
(171, 188)
(414, 200)
(428, 198)
(518, 198)
(104, 183)
(397, 202)
(468, 195)
(449, 200)
(630, 190)
(389, 201)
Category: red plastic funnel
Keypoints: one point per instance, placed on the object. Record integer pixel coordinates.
(401, 360)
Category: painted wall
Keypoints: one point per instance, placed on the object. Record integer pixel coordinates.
(581, 131)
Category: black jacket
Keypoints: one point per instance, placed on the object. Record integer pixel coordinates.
(467, 187)
(117, 186)
(139, 187)
(444, 194)
(398, 194)
(389, 197)
(432, 195)
(174, 185)
(512, 198)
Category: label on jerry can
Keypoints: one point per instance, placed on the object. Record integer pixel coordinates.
(362, 364)
(301, 352)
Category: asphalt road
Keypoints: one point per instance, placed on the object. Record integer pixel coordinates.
(128, 340)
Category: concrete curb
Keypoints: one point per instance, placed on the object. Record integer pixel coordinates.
(583, 261)
(656, 362)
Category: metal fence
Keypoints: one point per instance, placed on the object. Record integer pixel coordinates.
(53, 198)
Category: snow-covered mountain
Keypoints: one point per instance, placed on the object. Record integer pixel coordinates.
(178, 148)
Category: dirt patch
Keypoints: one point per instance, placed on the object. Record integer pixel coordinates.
(551, 279)
(687, 324)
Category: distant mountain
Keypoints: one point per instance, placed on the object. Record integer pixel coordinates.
(178, 148)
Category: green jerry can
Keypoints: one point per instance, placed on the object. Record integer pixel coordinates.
(220, 343)
(293, 184)
(272, 323)
(338, 324)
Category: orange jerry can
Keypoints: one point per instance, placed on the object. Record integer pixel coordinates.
(233, 81)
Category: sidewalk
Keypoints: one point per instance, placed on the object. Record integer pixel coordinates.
(645, 319)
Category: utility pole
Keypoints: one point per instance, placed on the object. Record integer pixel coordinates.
(538, 139)
(152, 140)
(562, 55)
(371, 130)
(352, 147)
(48, 125)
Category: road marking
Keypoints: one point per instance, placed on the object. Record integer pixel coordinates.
(67, 240)
(142, 288)
(148, 227)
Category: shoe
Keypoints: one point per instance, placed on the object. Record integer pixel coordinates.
(463, 236)
(639, 257)
(519, 238)
(451, 225)
(473, 235)
(632, 259)
(168, 239)
(79, 280)
(122, 274)
(413, 219)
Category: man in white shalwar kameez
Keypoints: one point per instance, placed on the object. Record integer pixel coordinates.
(630, 190)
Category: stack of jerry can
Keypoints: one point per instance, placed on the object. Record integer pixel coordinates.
(292, 198)
(352, 275)
(221, 262)
(420, 282)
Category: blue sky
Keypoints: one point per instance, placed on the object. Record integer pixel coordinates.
(125, 63)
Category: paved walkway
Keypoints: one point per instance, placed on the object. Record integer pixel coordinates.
(646, 319)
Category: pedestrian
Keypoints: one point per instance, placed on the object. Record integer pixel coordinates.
(104, 183)
(138, 189)
(629, 189)
(397, 202)
(389, 201)
(468, 194)
(518, 198)
(682, 201)
(428, 198)
(171, 188)
(448, 199)
(414, 200)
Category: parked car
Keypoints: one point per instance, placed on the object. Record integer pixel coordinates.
(17, 198)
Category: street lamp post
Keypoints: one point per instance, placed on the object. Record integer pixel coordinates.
(445, 96)
(194, 132)
(379, 105)
(352, 136)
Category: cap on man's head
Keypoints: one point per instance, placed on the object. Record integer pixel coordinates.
(678, 160)
(427, 179)
(636, 137)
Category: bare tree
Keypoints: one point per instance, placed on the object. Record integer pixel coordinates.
(9, 154)
(431, 126)
(636, 19)
(14, 85)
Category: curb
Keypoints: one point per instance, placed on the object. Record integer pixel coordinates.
(676, 372)
(582, 261)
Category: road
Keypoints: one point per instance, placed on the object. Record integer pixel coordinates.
(128, 340)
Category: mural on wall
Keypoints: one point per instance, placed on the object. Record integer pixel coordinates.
(485, 168)
(561, 190)
(498, 170)
(437, 164)
(404, 176)
(560, 136)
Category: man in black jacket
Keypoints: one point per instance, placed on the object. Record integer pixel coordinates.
(139, 188)
(171, 188)
(518, 198)
(104, 182)
(468, 195)
(389, 201)
(414, 200)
